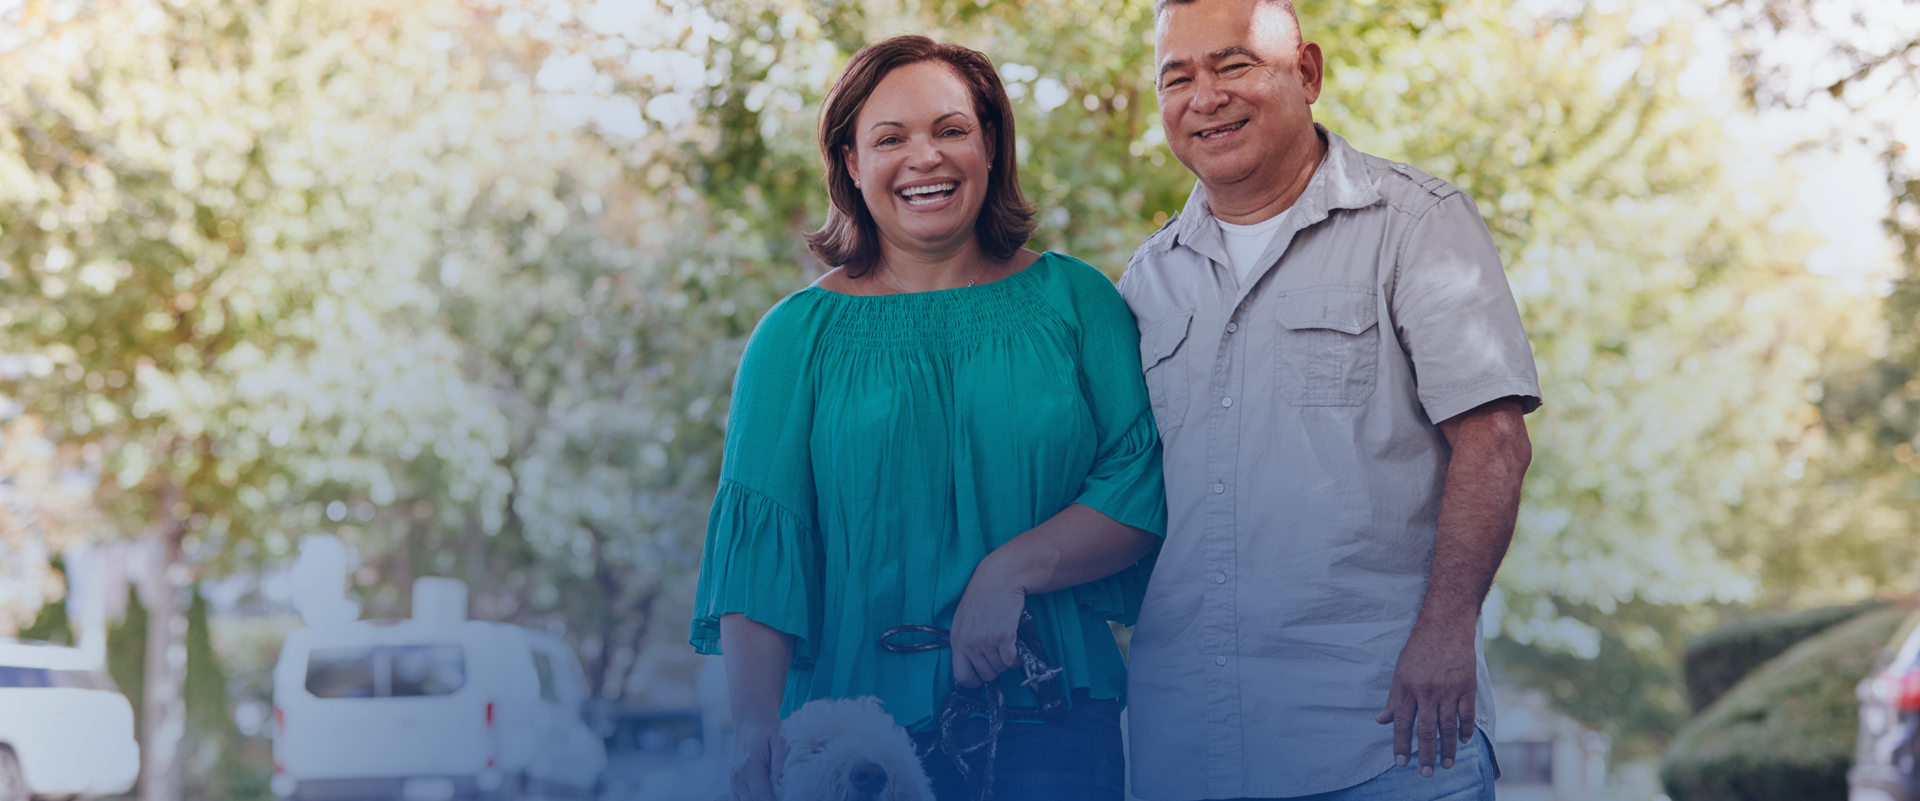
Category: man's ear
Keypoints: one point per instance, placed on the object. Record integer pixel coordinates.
(1313, 69)
(852, 164)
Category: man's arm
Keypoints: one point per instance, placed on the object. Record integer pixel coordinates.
(1434, 682)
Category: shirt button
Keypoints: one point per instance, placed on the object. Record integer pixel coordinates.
(1232, 327)
(1226, 402)
(1219, 578)
(1220, 660)
(1219, 488)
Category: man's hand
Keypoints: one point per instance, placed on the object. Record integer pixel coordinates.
(758, 754)
(1434, 688)
(1434, 681)
(985, 625)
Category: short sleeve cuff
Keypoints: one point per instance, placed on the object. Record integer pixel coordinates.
(1126, 482)
(1465, 399)
(761, 560)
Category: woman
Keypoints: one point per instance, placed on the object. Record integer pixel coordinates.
(943, 430)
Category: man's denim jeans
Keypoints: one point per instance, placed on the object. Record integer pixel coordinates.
(1470, 779)
(1077, 759)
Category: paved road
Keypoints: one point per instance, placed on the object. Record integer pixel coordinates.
(651, 777)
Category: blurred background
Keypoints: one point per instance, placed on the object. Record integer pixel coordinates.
(301, 301)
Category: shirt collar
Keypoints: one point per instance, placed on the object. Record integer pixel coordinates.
(1341, 182)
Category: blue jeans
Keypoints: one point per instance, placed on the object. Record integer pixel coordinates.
(1077, 759)
(1470, 779)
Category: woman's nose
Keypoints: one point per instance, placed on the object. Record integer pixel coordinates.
(926, 154)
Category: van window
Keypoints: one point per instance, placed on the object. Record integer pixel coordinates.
(428, 669)
(386, 671)
(25, 677)
(340, 673)
(543, 667)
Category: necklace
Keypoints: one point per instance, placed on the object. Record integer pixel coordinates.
(886, 270)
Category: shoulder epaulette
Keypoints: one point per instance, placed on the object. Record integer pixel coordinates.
(1438, 187)
(1162, 238)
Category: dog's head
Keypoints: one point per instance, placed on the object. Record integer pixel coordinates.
(849, 750)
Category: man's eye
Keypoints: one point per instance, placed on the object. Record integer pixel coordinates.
(1172, 82)
(1234, 67)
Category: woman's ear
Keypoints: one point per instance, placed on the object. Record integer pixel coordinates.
(852, 164)
(993, 142)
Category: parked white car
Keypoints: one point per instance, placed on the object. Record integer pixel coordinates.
(64, 729)
(431, 710)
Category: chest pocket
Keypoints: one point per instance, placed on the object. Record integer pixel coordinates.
(1164, 360)
(1328, 351)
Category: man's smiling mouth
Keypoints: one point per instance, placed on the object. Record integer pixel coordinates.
(1224, 129)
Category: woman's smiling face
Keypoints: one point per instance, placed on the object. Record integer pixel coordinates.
(921, 156)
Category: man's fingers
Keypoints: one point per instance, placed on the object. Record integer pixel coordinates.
(1400, 712)
(1467, 723)
(1449, 738)
(1429, 736)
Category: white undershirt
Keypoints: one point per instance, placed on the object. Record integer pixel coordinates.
(1246, 243)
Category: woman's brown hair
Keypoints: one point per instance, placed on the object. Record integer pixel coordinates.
(849, 239)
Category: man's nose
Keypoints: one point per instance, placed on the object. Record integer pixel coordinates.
(1208, 96)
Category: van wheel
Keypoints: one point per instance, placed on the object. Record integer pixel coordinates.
(13, 783)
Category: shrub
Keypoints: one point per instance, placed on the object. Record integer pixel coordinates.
(1719, 660)
(1787, 731)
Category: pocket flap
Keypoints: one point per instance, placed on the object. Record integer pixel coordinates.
(1161, 339)
(1341, 308)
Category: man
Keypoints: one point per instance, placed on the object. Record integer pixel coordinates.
(1338, 370)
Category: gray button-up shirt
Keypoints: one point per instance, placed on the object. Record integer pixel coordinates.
(1298, 414)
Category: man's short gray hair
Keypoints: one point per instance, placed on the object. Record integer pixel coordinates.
(1292, 16)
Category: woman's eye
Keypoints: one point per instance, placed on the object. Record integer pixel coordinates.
(953, 132)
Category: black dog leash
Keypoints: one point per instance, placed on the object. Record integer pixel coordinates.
(1040, 677)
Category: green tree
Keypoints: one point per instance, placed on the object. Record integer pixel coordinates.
(1855, 65)
(213, 272)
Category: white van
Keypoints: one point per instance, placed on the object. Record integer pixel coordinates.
(64, 729)
(431, 710)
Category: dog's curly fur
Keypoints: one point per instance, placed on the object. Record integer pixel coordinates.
(849, 750)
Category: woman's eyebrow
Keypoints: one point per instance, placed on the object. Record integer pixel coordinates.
(936, 120)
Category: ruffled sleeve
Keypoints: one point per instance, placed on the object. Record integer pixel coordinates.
(761, 560)
(1126, 485)
(1125, 482)
(762, 555)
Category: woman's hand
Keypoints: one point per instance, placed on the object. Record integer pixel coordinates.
(756, 657)
(759, 752)
(985, 624)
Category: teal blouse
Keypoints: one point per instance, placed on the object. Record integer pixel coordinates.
(879, 447)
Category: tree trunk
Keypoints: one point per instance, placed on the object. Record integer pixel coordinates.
(164, 709)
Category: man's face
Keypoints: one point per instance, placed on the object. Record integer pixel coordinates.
(1236, 87)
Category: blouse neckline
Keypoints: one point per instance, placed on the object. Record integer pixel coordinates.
(1045, 256)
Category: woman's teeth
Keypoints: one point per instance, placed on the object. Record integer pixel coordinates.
(923, 195)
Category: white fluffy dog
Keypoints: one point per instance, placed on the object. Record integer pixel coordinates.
(849, 750)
